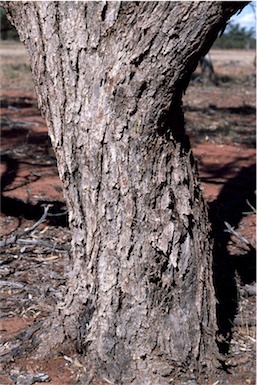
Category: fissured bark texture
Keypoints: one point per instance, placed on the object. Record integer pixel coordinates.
(109, 76)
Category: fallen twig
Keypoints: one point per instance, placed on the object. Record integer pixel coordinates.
(28, 378)
(41, 220)
(16, 238)
(15, 285)
(19, 239)
(239, 236)
(38, 242)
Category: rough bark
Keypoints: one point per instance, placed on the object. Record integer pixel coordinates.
(109, 76)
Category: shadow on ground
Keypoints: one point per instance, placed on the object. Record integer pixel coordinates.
(57, 214)
(230, 206)
(228, 123)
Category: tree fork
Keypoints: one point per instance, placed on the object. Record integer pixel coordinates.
(109, 76)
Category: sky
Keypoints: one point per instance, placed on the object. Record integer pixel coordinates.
(247, 18)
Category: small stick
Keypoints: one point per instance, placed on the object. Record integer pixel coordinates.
(239, 236)
(38, 242)
(15, 238)
(16, 285)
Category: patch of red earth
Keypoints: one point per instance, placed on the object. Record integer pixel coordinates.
(24, 138)
(62, 370)
(218, 163)
(10, 224)
(12, 326)
(45, 187)
(59, 370)
(17, 93)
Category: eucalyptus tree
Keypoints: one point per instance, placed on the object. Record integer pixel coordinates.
(109, 76)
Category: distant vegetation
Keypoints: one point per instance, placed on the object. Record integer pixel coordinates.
(234, 37)
(7, 31)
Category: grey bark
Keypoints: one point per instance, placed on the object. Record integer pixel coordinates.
(109, 76)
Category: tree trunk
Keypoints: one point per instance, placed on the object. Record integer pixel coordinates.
(109, 76)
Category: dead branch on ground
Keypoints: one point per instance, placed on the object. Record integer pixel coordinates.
(19, 238)
(232, 231)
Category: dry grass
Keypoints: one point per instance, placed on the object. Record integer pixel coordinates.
(15, 69)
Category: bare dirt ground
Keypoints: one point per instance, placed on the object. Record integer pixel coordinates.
(220, 120)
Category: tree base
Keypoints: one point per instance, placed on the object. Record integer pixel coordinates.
(43, 338)
(47, 338)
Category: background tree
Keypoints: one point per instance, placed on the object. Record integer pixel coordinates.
(236, 37)
(109, 76)
(7, 30)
